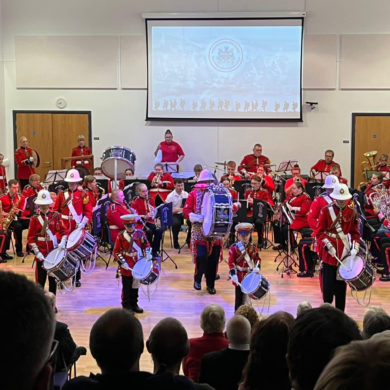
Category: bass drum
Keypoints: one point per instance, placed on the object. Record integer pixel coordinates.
(124, 158)
(37, 159)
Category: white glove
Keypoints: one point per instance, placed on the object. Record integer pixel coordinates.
(234, 279)
(256, 269)
(330, 248)
(62, 243)
(196, 217)
(148, 252)
(82, 224)
(354, 252)
(126, 267)
(40, 256)
(31, 159)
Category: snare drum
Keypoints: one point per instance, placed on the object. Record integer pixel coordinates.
(60, 265)
(357, 273)
(146, 271)
(80, 245)
(123, 157)
(255, 285)
(217, 210)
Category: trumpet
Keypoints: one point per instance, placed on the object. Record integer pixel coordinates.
(156, 180)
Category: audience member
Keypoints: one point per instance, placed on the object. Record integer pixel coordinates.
(212, 321)
(168, 344)
(363, 365)
(375, 320)
(26, 330)
(303, 306)
(267, 367)
(222, 369)
(313, 339)
(249, 313)
(116, 342)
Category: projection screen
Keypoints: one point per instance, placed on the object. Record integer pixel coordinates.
(224, 69)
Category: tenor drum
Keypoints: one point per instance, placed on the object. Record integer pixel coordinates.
(146, 271)
(123, 157)
(60, 265)
(80, 245)
(217, 210)
(255, 285)
(357, 273)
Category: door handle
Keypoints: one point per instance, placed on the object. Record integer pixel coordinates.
(47, 163)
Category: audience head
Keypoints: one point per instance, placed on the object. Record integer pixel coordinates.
(375, 320)
(267, 366)
(249, 313)
(212, 319)
(168, 344)
(117, 342)
(363, 365)
(303, 306)
(238, 331)
(27, 329)
(52, 299)
(313, 339)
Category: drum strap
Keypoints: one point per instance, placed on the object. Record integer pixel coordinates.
(132, 245)
(72, 210)
(52, 236)
(339, 230)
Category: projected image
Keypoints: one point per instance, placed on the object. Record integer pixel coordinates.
(224, 72)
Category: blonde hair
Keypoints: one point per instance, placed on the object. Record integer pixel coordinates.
(249, 313)
(33, 177)
(22, 138)
(212, 319)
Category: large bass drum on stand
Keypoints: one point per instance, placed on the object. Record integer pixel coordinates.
(116, 160)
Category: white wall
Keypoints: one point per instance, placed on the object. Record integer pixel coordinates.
(118, 112)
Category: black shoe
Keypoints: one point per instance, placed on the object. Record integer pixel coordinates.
(78, 284)
(137, 309)
(176, 245)
(385, 278)
(217, 276)
(380, 271)
(305, 274)
(197, 286)
(211, 290)
(2, 260)
(277, 247)
(6, 256)
(20, 254)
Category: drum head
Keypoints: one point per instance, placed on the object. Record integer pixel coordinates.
(251, 282)
(75, 238)
(207, 212)
(122, 156)
(142, 268)
(352, 267)
(54, 258)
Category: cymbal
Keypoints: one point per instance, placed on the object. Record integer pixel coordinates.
(221, 163)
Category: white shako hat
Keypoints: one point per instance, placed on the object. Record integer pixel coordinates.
(72, 176)
(341, 192)
(330, 181)
(43, 198)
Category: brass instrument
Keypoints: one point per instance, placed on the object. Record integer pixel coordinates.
(369, 165)
(380, 200)
(10, 217)
(1, 217)
(156, 180)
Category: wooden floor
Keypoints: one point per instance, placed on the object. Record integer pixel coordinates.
(174, 296)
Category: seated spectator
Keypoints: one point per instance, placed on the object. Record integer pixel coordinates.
(267, 366)
(303, 306)
(222, 369)
(249, 313)
(313, 339)
(168, 344)
(212, 321)
(363, 365)
(116, 343)
(26, 329)
(375, 320)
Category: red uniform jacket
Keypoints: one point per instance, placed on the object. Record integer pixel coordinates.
(37, 238)
(302, 201)
(170, 152)
(322, 166)
(234, 195)
(240, 264)
(290, 182)
(317, 205)
(251, 163)
(161, 189)
(114, 221)
(143, 207)
(23, 170)
(261, 194)
(124, 245)
(79, 162)
(371, 189)
(349, 225)
(232, 179)
(93, 195)
(3, 179)
(199, 346)
(30, 192)
(81, 204)
(8, 202)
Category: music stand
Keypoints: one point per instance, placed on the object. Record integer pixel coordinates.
(263, 210)
(103, 182)
(321, 175)
(241, 186)
(189, 185)
(55, 176)
(170, 167)
(287, 165)
(164, 214)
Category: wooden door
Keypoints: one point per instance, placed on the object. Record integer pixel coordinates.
(369, 132)
(38, 130)
(66, 129)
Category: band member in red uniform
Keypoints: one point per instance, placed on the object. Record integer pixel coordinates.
(170, 150)
(243, 259)
(145, 207)
(114, 213)
(231, 174)
(129, 173)
(206, 250)
(337, 221)
(98, 174)
(161, 184)
(14, 204)
(130, 246)
(251, 162)
(30, 192)
(197, 170)
(3, 176)
(376, 184)
(227, 184)
(334, 170)
(90, 187)
(296, 178)
(384, 168)
(80, 151)
(261, 189)
(324, 165)
(24, 160)
(43, 233)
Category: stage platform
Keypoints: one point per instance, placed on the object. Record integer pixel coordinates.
(174, 296)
